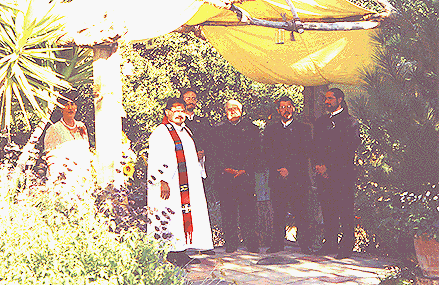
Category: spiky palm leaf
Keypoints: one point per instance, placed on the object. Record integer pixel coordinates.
(77, 68)
(26, 51)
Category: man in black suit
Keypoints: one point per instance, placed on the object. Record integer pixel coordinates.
(200, 129)
(336, 138)
(287, 144)
(199, 126)
(237, 149)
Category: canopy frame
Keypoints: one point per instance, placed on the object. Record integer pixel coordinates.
(369, 21)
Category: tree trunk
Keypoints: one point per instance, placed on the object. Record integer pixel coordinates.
(313, 102)
(313, 98)
(107, 90)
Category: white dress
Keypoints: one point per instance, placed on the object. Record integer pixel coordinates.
(67, 153)
(162, 165)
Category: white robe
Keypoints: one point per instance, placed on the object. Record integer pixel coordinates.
(162, 154)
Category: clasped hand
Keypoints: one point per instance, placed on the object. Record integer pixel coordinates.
(283, 172)
(235, 172)
(322, 170)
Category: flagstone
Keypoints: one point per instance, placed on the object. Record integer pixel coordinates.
(369, 281)
(293, 268)
(276, 260)
(336, 279)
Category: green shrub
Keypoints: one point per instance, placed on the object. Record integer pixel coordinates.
(55, 236)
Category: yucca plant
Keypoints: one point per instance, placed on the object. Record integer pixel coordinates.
(77, 67)
(27, 53)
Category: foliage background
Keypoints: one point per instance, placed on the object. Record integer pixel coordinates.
(399, 156)
(164, 65)
(398, 111)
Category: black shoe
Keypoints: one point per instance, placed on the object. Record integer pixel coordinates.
(274, 249)
(253, 249)
(343, 255)
(231, 249)
(207, 252)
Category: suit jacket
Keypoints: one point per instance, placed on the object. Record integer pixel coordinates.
(200, 129)
(336, 141)
(237, 146)
(289, 148)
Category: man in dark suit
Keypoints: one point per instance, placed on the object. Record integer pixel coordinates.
(201, 130)
(199, 126)
(336, 139)
(236, 153)
(287, 144)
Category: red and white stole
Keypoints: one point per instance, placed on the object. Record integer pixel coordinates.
(183, 181)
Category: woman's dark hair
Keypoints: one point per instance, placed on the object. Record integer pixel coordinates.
(339, 94)
(57, 113)
(71, 94)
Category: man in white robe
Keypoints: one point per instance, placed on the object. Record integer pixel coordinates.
(184, 213)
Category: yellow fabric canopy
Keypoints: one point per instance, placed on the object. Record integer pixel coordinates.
(269, 55)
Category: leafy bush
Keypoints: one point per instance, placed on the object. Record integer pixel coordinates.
(414, 215)
(56, 236)
(400, 151)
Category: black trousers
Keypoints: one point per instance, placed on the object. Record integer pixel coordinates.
(290, 197)
(237, 195)
(336, 195)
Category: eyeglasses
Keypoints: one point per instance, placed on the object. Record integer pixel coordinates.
(177, 110)
(286, 107)
(233, 109)
(190, 99)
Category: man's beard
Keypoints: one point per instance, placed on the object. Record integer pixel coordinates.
(331, 108)
(190, 107)
(286, 117)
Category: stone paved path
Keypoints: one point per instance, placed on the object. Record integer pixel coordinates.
(293, 268)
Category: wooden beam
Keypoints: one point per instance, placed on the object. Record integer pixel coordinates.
(296, 19)
(246, 19)
(310, 26)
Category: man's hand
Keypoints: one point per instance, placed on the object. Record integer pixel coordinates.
(200, 154)
(235, 172)
(283, 172)
(239, 173)
(164, 190)
(231, 171)
(321, 169)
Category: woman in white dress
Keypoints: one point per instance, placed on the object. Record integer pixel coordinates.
(67, 147)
